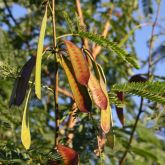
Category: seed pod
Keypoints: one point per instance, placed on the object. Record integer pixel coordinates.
(80, 92)
(25, 130)
(39, 56)
(79, 63)
(21, 83)
(69, 156)
(106, 114)
(119, 110)
(137, 78)
(97, 92)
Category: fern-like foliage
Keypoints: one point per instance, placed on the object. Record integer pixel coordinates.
(154, 91)
(7, 71)
(122, 54)
(114, 100)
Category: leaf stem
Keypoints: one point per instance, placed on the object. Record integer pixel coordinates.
(150, 63)
(132, 134)
(66, 35)
(55, 76)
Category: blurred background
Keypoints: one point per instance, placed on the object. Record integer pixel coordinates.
(130, 23)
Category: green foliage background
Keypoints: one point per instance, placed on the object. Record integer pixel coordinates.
(18, 40)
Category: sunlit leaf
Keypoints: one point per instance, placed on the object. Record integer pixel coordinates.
(80, 92)
(25, 130)
(79, 63)
(39, 56)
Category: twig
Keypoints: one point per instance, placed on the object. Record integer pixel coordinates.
(151, 41)
(65, 92)
(15, 22)
(71, 123)
(56, 111)
(96, 49)
(80, 14)
(132, 134)
(10, 13)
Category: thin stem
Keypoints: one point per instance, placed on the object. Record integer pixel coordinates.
(80, 14)
(66, 35)
(132, 134)
(151, 42)
(55, 77)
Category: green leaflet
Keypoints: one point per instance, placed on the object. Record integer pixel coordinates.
(25, 130)
(39, 56)
(151, 90)
(122, 54)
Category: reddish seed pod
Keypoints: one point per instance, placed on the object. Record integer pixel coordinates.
(79, 63)
(97, 93)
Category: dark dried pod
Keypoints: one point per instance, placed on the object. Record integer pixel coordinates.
(21, 83)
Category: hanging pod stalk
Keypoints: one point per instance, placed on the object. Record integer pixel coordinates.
(79, 63)
(79, 91)
(39, 56)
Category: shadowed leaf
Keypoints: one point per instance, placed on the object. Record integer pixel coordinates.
(79, 63)
(137, 78)
(119, 110)
(39, 56)
(80, 92)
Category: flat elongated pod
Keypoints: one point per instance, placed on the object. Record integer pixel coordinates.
(137, 78)
(79, 63)
(106, 114)
(80, 92)
(97, 93)
(39, 56)
(25, 131)
(69, 156)
(21, 83)
(119, 110)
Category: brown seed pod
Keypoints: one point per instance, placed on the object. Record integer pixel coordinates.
(69, 156)
(97, 92)
(80, 92)
(79, 63)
